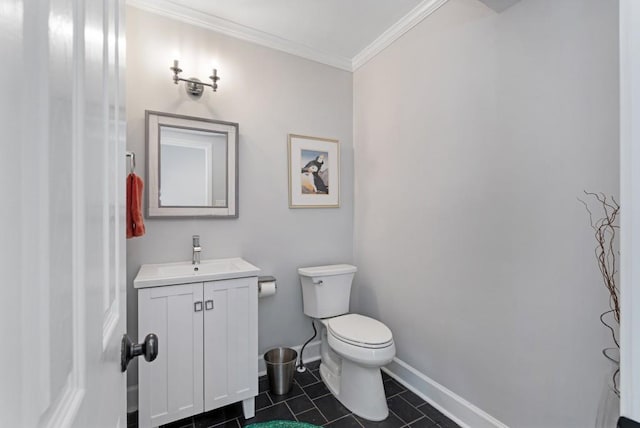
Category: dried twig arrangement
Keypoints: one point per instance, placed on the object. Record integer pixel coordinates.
(605, 229)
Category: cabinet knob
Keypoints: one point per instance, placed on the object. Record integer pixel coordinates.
(129, 350)
(197, 306)
(208, 305)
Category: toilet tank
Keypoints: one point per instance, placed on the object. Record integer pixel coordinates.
(326, 289)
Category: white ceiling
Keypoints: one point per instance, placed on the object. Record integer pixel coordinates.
(340, 33)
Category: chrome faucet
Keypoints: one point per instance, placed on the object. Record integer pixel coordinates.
(196, 250)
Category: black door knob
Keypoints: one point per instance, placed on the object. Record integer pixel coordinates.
(130, 350)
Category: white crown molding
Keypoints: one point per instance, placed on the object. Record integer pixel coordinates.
(232, 29)
(499, 5)
(393, 33)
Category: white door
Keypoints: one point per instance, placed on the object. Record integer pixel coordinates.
(62, 253)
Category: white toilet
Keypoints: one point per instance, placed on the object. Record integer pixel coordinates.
(354, 347)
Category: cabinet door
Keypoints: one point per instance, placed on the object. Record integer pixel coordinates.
(230, 341)
(170, 388)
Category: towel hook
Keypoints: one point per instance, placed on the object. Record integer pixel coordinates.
(132, 163)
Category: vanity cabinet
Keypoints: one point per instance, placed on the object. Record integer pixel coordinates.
(207, 348)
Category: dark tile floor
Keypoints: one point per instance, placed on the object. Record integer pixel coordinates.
(310, 401)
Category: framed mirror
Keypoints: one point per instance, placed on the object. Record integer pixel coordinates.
(192, 166)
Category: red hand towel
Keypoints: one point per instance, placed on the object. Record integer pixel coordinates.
(135, 224)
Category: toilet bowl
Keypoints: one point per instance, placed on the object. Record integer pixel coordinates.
(360, 339)
(353, 347)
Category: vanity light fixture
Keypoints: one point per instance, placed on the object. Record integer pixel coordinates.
(194, 86)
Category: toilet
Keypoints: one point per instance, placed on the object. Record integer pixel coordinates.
(353, 346)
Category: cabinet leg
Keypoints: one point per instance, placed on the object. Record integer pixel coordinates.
(249, 407)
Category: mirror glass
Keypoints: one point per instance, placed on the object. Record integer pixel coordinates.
(192, 166)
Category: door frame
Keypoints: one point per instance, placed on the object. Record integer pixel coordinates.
(630, 211)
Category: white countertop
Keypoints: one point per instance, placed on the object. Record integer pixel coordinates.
(156, 275)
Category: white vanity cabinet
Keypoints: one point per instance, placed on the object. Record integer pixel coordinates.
(207, 348)
(231, 343)
(171, 386)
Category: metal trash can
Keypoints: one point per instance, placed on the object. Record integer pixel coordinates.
(281, 366)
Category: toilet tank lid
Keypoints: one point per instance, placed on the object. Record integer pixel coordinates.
(327, 270)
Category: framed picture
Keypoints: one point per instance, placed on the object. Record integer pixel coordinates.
(314, 172)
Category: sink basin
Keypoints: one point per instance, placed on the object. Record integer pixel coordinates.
(154, 275)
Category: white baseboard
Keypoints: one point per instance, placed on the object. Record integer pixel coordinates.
(446, 401)
(311, 353)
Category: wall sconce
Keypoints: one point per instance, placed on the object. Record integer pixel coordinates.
(192, 85)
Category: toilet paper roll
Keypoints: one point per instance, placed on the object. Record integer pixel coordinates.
(267, 288)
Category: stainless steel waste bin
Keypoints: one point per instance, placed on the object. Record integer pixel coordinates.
(281, 366)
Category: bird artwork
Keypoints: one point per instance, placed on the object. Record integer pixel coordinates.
(315, 175)
(307, 180)
(314, 172)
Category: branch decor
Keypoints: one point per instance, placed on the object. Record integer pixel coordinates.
(605, 230)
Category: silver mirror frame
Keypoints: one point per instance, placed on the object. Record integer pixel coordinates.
(153, 121)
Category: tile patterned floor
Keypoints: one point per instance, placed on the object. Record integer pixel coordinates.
(310, 401)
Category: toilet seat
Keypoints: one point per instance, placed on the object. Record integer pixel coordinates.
(360, 331)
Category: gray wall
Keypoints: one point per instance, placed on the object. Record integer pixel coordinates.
(270, 94)
(474, 134)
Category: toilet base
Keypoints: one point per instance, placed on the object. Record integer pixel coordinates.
(358, 388)
(362, 391)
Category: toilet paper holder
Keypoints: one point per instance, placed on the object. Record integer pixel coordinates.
(266, 279)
